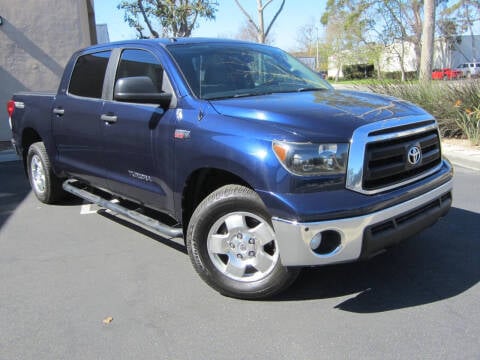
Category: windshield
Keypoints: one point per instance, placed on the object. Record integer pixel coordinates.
(223, 70)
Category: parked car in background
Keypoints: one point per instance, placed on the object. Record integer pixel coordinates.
(471, 69)
(446, 74)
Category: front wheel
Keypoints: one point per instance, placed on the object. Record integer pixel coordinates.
(232, 245)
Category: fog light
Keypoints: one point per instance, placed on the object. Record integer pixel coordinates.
(316, 241)
(326, 243)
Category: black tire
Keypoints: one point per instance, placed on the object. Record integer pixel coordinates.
(46, 186)
(232, 246)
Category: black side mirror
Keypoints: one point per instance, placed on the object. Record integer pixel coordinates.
(140, 89)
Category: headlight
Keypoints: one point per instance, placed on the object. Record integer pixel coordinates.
(308, 159)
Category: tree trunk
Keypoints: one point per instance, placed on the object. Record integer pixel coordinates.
(427, 41)
(261, 26)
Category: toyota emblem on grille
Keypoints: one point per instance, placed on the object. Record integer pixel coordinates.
(414, 155)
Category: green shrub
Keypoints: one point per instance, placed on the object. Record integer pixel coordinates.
(469, 121)
(439, 99)
(359, 71)
(397, 75)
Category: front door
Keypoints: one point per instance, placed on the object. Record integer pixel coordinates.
(138, 138)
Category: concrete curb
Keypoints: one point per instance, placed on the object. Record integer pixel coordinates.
(467, 157)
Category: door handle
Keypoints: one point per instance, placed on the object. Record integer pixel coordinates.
(58, 111)
(109, 118)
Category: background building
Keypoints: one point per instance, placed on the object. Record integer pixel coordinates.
(102, 34)
(448, 53)
(453, 52)
(37, 37)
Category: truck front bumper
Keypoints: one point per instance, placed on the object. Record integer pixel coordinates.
(349, 239)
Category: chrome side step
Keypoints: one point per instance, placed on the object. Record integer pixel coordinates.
(164, 230)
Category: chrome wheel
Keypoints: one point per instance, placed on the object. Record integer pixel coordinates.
(38, 174)
(242, 246)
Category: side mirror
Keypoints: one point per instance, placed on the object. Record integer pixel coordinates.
(140, 89)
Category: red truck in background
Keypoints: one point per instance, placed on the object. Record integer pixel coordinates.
(446, 74)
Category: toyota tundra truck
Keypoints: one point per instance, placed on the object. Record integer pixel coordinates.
(249, 156)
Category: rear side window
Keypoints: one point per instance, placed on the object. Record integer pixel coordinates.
(88, 75)
(135, 62)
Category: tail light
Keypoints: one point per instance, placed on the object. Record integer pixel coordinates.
(10, 110)
(10, 107)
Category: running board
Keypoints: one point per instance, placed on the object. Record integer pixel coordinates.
(164, 230)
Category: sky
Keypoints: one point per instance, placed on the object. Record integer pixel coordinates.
(229, 19)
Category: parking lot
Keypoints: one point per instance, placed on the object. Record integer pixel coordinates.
(65, 269)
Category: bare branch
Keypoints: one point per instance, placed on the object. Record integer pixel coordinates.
(266, 4)
(147, 21)
(247, 15)
(275, 17)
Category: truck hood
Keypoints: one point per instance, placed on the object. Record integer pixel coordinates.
(325, 114)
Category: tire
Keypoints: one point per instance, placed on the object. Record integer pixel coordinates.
(46, 186)
(232, 245)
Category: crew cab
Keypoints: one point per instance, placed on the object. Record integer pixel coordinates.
(252, 158)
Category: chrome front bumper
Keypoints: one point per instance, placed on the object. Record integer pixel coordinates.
(355, 235)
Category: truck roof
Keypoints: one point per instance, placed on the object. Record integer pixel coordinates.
(169, 41)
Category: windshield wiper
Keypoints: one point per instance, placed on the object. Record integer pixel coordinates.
(310, 89)
(251, 94)
(239, 95)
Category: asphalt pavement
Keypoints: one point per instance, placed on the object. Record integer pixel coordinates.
(79, 283)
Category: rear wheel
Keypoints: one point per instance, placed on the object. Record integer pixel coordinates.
(46, 186)
(232, 245)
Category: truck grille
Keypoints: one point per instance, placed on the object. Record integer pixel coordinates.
(393, 161)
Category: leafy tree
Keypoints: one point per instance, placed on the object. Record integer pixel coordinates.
(347, 26)
(393, 35)
(403, 23)
(176, 17)
(398, 24)
(466, 14)
(259, 26)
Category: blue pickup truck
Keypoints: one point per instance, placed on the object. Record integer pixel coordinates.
(250, 157)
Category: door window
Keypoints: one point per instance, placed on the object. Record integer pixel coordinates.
(134, 62)
(88, 75)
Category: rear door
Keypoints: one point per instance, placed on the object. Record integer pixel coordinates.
(138, 138)
(77, 127)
